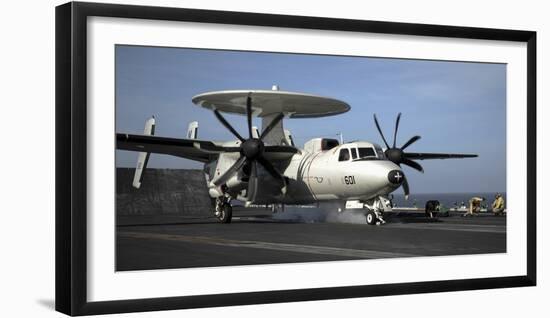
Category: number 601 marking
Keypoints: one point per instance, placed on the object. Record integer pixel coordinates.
(349, 179)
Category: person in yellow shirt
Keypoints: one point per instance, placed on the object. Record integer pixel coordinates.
(498, 205)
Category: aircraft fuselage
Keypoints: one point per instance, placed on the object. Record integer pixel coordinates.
(324, 176)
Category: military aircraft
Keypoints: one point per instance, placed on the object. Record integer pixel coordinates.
(267, 168)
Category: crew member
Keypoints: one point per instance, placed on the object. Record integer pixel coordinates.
(498, 205)
(475, 206)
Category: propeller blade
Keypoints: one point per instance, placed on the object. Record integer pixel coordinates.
(231, 171)
(227, 125)
(412, 164)
(273, 172)
(228, 149)
(405, 185)
(279, 153)
(270, 168)
(252, 182)
(249, 115)
(423, 156)
(380, 131)
(396, 127)
(281, 149)
(272, 125)
(410, 142)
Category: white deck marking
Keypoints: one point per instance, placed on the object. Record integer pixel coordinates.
(298, 248)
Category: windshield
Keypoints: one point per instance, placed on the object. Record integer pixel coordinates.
(366, 152)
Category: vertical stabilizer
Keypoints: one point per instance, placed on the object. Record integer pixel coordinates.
(143, 157)
(255, 132)
(193, 130)
(288, 137)
(276, 136)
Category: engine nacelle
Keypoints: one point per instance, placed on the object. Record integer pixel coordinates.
(320, 144)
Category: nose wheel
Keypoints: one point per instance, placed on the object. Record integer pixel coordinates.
(375, 212)
(371, 218)
(375, 218)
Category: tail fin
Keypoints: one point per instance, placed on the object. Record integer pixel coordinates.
(255, 132)
(143, 157)
(288, 137)
(193, 130)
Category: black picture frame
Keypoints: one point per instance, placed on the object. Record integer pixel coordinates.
(71, 157)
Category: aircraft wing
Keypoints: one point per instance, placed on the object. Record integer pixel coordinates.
(199, 150)
(424, 155)
(193, 149)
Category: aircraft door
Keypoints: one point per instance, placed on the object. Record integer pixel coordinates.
(318, 177)
(326, 172)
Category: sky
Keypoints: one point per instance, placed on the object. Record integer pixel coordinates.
(456, 107)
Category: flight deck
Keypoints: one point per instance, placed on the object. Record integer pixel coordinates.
(259, 236)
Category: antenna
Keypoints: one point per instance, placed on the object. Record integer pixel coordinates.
(341, 137)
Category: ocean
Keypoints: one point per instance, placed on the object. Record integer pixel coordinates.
(448, 200)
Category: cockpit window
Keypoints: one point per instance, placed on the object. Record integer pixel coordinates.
(380, 152)
(353, 153)
(344, 155)
(366, 152)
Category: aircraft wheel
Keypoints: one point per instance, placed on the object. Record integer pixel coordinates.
(371, 218)
(225, 213)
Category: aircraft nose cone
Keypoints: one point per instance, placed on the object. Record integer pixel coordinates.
(395, 176)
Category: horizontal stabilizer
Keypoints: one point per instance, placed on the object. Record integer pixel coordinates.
(424, 156)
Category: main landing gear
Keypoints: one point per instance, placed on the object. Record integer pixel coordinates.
(224, 210)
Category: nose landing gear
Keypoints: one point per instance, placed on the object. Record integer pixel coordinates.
(374, 208)
(375, 211)
(374, 218)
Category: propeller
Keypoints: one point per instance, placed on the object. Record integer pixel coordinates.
(399, 156)
(396, 154)
(252, 152)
